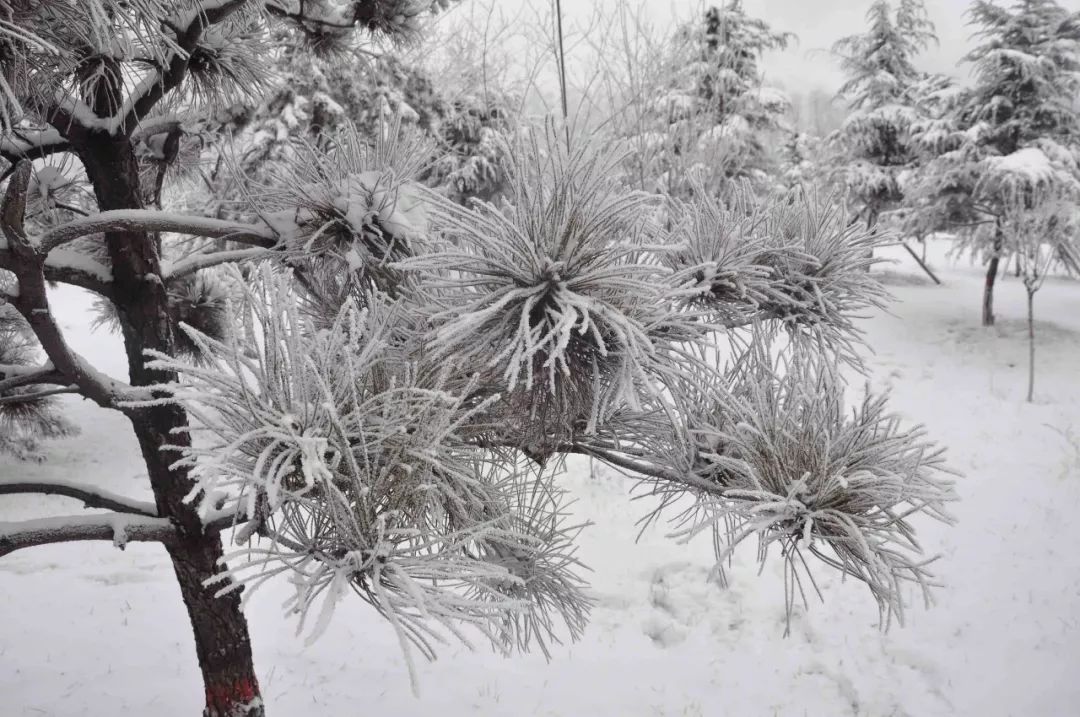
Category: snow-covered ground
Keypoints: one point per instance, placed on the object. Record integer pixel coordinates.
(90, 630)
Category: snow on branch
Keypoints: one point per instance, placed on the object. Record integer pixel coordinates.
(32, 395)
(1029, 170)
(347, 209)
(91, 496)
(206, 260)
(120, 528)
(67, 267)
(14, 376)
(20, 143)
(148, 220)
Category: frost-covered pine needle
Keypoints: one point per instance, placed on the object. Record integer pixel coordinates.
(557, 298)
(353, 471)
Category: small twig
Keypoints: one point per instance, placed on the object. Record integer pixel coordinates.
(37, 395)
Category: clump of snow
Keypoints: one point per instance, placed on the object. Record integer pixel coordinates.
(1030, 164)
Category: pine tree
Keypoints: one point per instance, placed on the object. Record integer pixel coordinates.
(313, 95)
(715, 117)
(874, 143)
(371, 387)
(1013, 131)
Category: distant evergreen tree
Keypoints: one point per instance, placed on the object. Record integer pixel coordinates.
(874, 144)
(315, 95)
(716, 117)
(1015, 131)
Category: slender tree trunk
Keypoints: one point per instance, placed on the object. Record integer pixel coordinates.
(991, 277)
(222, 642)
(871, 225)
(1031, 345)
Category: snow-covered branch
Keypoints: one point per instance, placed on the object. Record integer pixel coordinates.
(205, 260)
(67, 267)
(91, 496)
(32, 300)
(120, 528)
(32, 144)
(148, 220)
(12, 376)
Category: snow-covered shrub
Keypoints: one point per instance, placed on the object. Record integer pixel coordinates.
(709, 118)
(471, 162)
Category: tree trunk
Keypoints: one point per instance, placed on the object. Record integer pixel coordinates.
(1031, 345)
(222, 642)
(871, 226)
(991, 278)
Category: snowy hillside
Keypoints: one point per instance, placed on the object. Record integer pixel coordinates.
(91, 630)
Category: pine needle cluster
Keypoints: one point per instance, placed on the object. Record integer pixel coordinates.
(358, 468)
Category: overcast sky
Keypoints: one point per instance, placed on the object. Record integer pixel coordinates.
(818, 23)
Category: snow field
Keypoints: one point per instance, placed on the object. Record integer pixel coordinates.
(91, 630)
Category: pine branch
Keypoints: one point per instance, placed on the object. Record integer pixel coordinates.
(67, 268)
(149, 220)
(172, 74)
(32, 144)
(120, 528)
(33, 303)
(12, 377)
(91, 496)
(205, 260)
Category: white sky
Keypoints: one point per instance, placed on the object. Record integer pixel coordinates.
(818, 23)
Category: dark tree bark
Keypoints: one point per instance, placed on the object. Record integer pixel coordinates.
(991, 277)
(222, 642)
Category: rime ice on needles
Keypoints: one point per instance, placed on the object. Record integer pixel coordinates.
(820, 280)
(793, 258)
(775, 452)
(346, 211)
(558, 298)
(353, 467)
